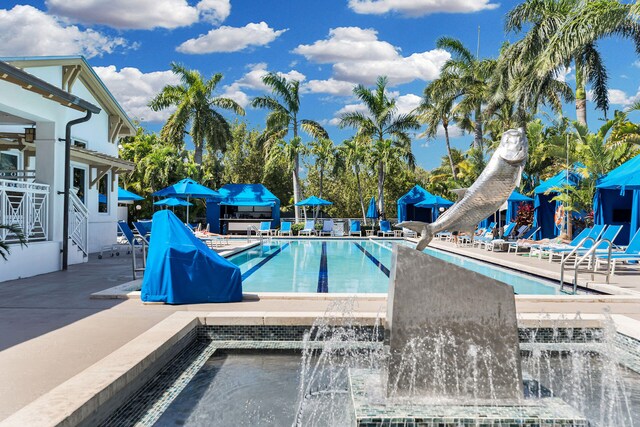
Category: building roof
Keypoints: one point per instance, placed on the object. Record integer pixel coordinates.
(627, 175)
(34, 84)
(77, 67)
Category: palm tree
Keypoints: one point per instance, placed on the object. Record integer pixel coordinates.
(326, 155)
(195, 105)
(437, 108)
(384, 154)
(4, 246)
(387, 130)
(565, 32)
(354, 152)
(283, 118)
(470, 76)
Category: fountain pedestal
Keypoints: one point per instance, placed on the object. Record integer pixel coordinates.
(453, 332)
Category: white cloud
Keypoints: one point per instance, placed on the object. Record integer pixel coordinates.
(419, 7)
(620, 97)
(407, 103)
(252, 80)
(349, 108)
(330, 86)
(359, 57)
(27, 31)
(348, 44)
(134, 89)
(141, 14)
(231, 39)
(563, 74)
(636, 63)
(404, 105)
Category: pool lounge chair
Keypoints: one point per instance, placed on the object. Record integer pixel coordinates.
(523, 247)
(285, 228)
(630, 253)
(309, 228)
(134, 243)
(327, 227)
(354, 228)
(409, 233)
(562, 251)
(265, 228)
(385, 229)
(541, 248)
(490, 244)
(487, 236)
(601, 243)
(338, 229)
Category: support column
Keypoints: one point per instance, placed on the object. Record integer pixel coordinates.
(50, 170)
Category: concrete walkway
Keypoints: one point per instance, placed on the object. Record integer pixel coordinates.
(50, 330)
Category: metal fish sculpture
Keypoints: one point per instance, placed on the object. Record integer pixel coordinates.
(492, 188)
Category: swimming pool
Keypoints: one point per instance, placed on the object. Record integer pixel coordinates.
(350, 266)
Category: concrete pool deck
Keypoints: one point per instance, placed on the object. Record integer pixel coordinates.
(51, 330)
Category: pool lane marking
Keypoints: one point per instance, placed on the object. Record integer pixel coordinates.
(373, 259)
(323, 275)
(255, 268)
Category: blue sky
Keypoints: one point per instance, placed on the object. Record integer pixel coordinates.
(329, 45)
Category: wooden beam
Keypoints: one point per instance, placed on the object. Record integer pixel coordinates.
(115, 125)
(69, 75)
(102, 171)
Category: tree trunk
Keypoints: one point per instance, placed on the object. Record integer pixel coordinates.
(581, 96)
(381, 212)
(477, 139)
(364, 214)
(454, 170)
(317, 209)
(197, 154)
(296, 188)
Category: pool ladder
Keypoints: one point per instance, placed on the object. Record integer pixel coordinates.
(589, 258)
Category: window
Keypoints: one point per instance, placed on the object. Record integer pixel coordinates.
(8, 166)
(103, 194)
(80, 183)
(79, 143)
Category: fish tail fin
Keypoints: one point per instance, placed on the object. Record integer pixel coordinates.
(426, 237)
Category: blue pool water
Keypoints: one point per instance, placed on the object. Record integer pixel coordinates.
(350, 266)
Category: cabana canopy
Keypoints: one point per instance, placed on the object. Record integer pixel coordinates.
(409, 211)
(181, 269)
(545, 207)
(242, 195)
(617, 199)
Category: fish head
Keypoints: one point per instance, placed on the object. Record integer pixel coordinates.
(513, 147)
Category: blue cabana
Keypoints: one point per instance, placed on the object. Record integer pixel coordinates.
(181, 269)
(545, 207)
(434, 203)
(513, 202)
(617, 199)
(242, 195)
(408, 211)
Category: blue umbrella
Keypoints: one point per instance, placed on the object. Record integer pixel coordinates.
(372, 212)
(187, 188)
(172, 201)
(313, 201)
(127, 196)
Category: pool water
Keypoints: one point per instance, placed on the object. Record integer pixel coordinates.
(350, 266)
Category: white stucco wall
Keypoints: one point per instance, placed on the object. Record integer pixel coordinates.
(51, 119)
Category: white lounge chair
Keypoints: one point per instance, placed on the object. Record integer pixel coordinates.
(309, 228)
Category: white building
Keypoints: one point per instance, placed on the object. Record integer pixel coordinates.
(37, 100)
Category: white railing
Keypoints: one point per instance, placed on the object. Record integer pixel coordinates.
(78, 223)
(24, 205)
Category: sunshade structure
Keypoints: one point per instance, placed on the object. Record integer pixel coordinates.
(545, 207)
(408, 210)
(372, 211)
(181, 269)
(172, 202)
(187, 188)
(243, 197)
(127, 196)
(617, 199)
(314, 201)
